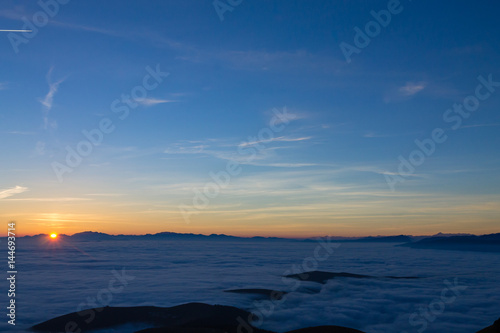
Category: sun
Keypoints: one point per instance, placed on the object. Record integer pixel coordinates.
(53, 236)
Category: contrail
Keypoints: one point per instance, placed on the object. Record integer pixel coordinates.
(15, 30)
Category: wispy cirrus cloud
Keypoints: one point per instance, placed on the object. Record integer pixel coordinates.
(404, 92)
(15, 13)
(212, 147)
(258, 152)
(153, 101)
(48, 100)
(278, 139)
(12, 191)
(87, 28)
(20, 132)
(106, 194)
(264, 60)
(480, 125)
(284, 165)
(372, 134)
(412, 88)
(375, 135)
(40, 148)
(262, 150)
(65, 199)
(18, 12)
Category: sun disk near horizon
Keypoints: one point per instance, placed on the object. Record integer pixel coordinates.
(53, 236)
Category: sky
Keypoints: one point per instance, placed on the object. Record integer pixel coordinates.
(271, 118)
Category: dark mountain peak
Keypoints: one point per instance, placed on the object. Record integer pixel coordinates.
(91, 235)
(441, 234)
(381, 239)
(495, 328)
(483, 243)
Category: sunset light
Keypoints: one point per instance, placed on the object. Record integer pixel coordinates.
(250, 166)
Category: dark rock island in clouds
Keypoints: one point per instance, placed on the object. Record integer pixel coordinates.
(267, 293)
(186, 318)
(191, 315)
(323, 277)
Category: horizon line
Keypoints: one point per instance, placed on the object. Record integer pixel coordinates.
(257, 236)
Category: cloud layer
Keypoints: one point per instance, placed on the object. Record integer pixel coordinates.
(168, 273)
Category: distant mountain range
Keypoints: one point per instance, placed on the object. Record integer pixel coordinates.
(99, 236)
(484, 243)
(406, 240)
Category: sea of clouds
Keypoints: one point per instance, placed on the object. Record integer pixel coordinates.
(55, 279)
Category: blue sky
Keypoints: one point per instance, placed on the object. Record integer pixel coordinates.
(325, 172)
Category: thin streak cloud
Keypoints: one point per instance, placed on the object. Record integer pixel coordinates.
(12, 191)
(153, 101)
(278, 139)
(15, 30)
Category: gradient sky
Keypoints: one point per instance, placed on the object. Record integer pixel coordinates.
(323, 173)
